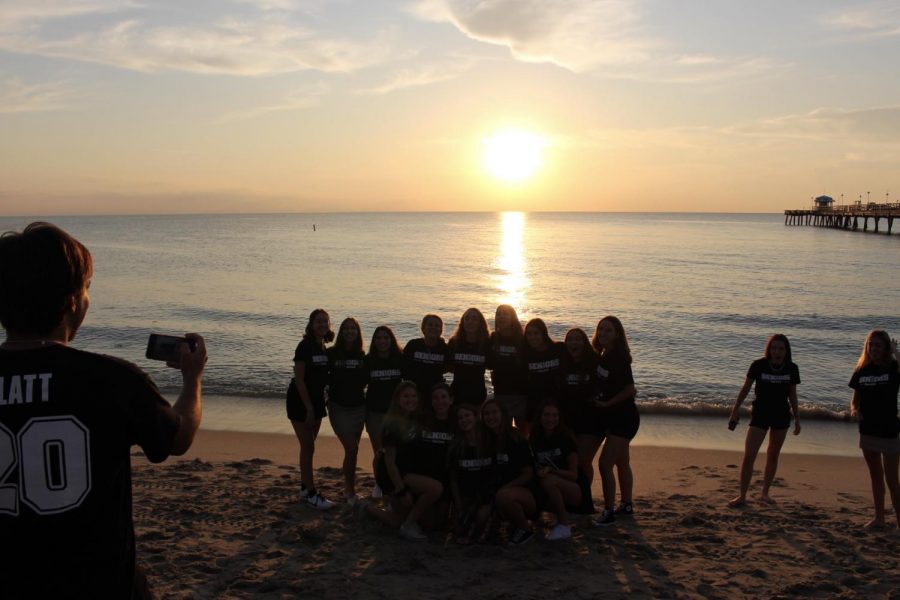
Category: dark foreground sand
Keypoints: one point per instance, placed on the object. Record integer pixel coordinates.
(224, 522)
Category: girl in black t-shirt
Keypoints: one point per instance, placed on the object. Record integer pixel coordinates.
(346, 397)
(513, 472)
(615, 399)
(306, 400)
(471, 464)
(543, 364)
(467, 356)
(411, 493)
(876, 383)
(556, 468)
(578, 380)
(384, 364)
(425, 358)
(506, 363)
(776, 378)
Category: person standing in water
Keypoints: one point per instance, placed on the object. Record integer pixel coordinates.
(775, 377)
(876, 383)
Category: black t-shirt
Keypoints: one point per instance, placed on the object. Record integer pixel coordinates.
(773, 385)
(315, 373)
(468, 361)
(424, 365)
(474, 471)
(512, 457)
(433, 442)
(65, 506)
(543, 369)
(877, 387)
(347, 377)
(384, 376)
(613, 375)
(578, 382)
(401, 434)
(553, 451)
(508, 372)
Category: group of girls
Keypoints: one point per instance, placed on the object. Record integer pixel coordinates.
(875, 383)
(465, 465)
(589, 382)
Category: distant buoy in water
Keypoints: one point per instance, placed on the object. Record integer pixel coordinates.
(314, 226)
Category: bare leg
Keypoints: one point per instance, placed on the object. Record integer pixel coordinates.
(891, 468)
(559, 493)
(350, 442)
(613, 449)
(755, 437)
(776, 441)
(588, 445)
(516, 503)
(306, 433)
(626, 477)
(876, 474)
(426, 490)
(392, 518)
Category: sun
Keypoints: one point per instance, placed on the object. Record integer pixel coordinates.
(513, 155)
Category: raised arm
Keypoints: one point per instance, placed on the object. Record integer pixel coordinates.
(189, 407)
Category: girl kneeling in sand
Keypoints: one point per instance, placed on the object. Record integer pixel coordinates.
(513, 473)
(776, 378)
(471, 475)
(875, 384)
(556, 467)
(397, 472)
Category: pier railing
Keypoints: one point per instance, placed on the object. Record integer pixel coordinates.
(845, 216)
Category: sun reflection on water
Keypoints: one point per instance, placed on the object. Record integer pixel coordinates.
(512, 282)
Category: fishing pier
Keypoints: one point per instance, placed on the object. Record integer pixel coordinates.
(852, 217)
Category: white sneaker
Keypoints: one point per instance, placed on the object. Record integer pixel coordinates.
(318, 502)
(412, 532)
(377, 493)
(559, 532)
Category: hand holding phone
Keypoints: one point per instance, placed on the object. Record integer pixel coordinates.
(167, 347)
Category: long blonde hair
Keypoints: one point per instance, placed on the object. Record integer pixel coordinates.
(864, 359)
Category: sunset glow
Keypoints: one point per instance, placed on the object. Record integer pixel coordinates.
(513, 155)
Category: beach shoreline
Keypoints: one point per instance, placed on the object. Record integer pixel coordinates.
(223, 521)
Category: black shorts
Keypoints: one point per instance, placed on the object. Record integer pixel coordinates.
(624, 421)
(589, 421)
(770, 417)
(296, 410)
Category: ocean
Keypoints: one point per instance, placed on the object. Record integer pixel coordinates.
(698, 294)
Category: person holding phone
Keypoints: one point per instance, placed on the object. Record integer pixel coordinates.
(775, 377)
(306, 400)
(876, 384)
(346, 397)
(69, 419)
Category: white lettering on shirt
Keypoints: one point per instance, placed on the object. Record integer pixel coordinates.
(546, 457)
(769, 378)
(469, 359)
(385, 374)
(577, 378)
(348, 363)
(543, 366)
(437, 437)
(602, 372)
(320, 359)
(21, 388)
(506, 350)
(429, 358)
(474, 463)
(875, 379)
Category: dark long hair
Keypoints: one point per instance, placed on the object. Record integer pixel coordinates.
(394, 416)
(308, 332)
(620, 347)
(542, 327)
(483, 334)
(515, 325)
(394, 346)
(589, 354)
(778, 337)
(483, 445)
(341, 343)
(537, 429)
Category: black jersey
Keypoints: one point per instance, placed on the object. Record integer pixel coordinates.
(402, 433)
(473, 471)
(432, 445)
(347, 377)
(553, 451)
(315, 372)
(613, 375)
(424, 365)
(512, 457)
(508, 373)
(578, 384)
(69, 419)
(772, 385)
(877, 387)
(543, 369)
(468, 361)
(384, 376)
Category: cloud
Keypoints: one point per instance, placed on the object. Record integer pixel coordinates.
(607, 37)
(878, 124)
(873, 19)
(298, 99)
(416, 77)
(253, 40)
(19, 97)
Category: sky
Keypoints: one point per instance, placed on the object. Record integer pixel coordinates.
(167, 106)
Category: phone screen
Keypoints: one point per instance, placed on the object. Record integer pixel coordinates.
(164, 347)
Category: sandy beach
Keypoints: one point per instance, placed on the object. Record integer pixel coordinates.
(224, 522)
